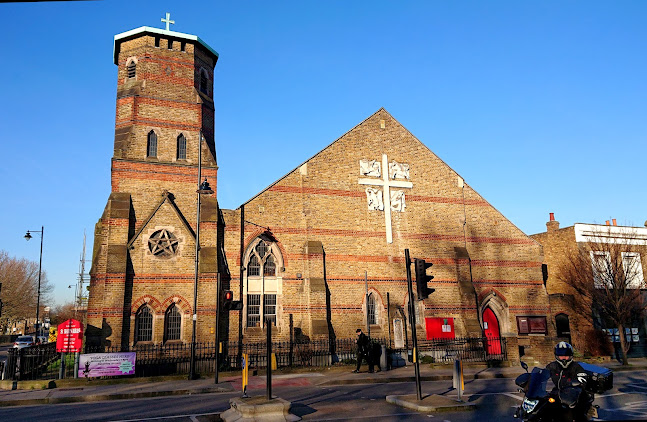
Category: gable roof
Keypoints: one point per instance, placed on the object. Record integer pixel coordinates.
(383, 110)
(166, 196)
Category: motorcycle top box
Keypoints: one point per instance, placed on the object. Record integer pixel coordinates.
(600, 378)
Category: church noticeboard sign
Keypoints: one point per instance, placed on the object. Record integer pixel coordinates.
(69, 338)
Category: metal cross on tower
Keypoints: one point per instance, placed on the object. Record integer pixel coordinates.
(168, 21)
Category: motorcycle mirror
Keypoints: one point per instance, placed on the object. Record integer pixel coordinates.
(524, 365)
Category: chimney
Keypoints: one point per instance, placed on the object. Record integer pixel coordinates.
(606, 223)
(552, 225)
(614, 222)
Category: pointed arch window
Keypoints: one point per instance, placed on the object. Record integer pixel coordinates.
(151, 144)
(144, 324)
(131, 69)
(181, 147)
(262, 283)
(371, 309)
(172, 323)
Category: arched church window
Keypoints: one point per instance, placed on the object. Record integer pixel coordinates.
(203, 81)
(144, 324)
(132, 69)
(181, 147)
(254, 266)
(269, 269)
(371, 309)
(172, 323)
(151, 145)
(262, 283)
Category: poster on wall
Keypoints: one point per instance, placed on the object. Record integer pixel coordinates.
(440, 328)
(398, 333)
(107, 364)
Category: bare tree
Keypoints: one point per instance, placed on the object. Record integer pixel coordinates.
(607, 276)
(61, 313)
(19, 278)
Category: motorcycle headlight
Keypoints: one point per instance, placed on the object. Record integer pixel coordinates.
(529, 405)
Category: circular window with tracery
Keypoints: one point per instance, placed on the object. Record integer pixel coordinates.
(163, 244)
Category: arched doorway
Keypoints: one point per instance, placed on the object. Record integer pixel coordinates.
(492, 333)
(563, 326)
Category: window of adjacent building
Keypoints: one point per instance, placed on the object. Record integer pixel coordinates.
(602, 269)
(204, 82)
(131, 69)
(261, 284)
(151, 144)
(157, 41)
(183, 46)
(632, 335)
(532, 325)
(172, 323)
(181, 147)
(170, 44)
(144, 324)
(633, 269)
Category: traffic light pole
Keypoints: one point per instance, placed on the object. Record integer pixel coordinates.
(412, 321)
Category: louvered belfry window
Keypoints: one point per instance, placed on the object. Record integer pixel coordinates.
(132, 69)
(203, 82)
(371, 309)
(172, 323)
(144, 324)
(181, 147)
(151, 145)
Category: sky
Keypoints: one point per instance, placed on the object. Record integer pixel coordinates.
(539, 106)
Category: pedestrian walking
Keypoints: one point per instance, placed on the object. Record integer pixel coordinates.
(363, 351)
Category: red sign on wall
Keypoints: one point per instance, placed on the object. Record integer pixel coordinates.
(440, 328)
(69, 336)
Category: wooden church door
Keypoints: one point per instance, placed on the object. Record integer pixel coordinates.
(492, 333)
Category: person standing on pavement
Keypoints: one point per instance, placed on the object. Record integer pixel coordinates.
(363, 351)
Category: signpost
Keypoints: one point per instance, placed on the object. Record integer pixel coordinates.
(69, 339)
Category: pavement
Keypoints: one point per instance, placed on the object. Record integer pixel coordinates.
(81, 390)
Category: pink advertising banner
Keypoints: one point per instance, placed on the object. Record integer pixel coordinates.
(106, 364)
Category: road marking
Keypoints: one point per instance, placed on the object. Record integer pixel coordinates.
(637, 386)
(192, 417)
(514, 396)
(356, 417)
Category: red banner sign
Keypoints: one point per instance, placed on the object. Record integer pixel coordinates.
(69, 337)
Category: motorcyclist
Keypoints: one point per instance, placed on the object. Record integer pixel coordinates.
(569, 378)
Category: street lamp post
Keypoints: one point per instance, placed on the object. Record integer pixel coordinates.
(203, 189)
(40, 270)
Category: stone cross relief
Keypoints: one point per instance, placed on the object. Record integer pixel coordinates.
(390, 200)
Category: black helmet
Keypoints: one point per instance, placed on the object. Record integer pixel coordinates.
(564, 349)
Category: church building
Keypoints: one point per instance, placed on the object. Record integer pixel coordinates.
(318, 254)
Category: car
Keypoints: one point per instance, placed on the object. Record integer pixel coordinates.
(42, 339)
(23, 341)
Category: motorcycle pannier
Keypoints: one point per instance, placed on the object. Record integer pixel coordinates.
(600, 378)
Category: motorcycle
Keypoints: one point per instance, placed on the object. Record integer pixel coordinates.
(551, 406)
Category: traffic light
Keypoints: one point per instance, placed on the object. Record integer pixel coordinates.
(422, 278)
(228, 302)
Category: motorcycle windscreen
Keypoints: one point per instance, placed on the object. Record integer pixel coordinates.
(570, 395)
(537, 385)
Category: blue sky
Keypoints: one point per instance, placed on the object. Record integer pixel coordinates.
(540, 106)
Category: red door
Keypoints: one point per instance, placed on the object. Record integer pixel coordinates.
(491, 327)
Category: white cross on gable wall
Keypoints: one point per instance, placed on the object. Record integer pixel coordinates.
(372, 168)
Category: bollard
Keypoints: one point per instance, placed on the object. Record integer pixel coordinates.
(458, 381)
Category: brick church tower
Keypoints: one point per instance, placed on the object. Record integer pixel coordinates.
(143, 263)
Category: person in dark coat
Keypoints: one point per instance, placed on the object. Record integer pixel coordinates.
(564, 372)
(363, 351)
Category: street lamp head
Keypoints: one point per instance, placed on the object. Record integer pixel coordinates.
(28, 235)
(205, 188)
